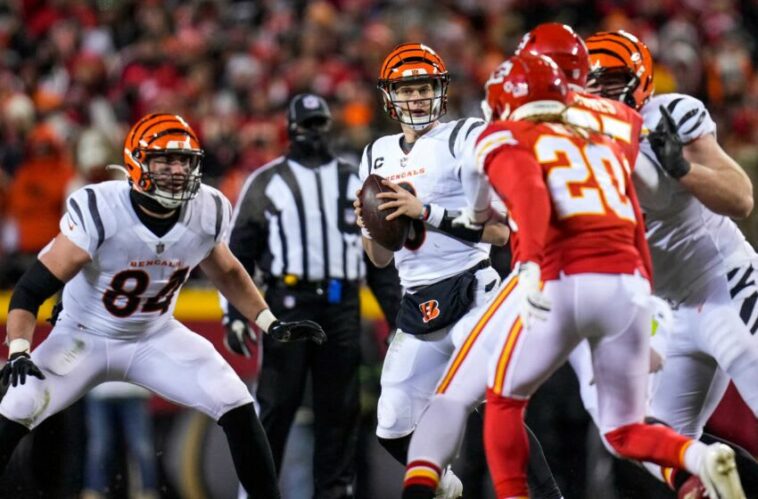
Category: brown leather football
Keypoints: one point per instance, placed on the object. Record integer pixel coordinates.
(390, 234)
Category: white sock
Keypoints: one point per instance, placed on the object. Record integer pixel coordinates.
(693, 456)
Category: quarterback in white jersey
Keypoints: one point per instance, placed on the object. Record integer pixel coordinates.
(445, 270)
(124, 251)
(688, 188)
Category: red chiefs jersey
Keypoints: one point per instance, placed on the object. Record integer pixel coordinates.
(569, 194)
(610, 117)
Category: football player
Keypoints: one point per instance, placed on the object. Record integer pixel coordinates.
(688, 188)
(445, 270)
(464, 383)
(576, 226)
(124, 251)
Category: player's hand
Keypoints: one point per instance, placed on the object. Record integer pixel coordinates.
(402, 200)
(297, 331)
(534, 304)
(19, 366)
(238, 334)
(668, 147)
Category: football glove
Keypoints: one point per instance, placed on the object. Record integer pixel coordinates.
(472, 220)
(238, 334)
(668, 147)
(19, 366)
(534, 304)
(297, 331)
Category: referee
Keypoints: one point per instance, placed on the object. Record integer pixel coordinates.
(294, 222)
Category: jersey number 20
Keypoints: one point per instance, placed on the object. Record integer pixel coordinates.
(572, 166)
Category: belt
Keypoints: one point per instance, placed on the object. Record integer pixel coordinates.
(480, 266)
(295, 283)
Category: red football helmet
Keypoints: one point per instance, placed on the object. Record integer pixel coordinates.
(525, 85)
(560, 43)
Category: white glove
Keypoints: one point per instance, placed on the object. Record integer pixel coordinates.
(534, 304)
(472, 220)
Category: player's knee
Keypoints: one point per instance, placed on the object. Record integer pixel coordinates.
(28, 408)
(395, 416)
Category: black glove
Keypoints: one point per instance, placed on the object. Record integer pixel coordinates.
(238, 334)
(19, 366)
(297, 331)
(667, 146)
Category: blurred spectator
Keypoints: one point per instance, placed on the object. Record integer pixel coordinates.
(36, 195)
(117, 409)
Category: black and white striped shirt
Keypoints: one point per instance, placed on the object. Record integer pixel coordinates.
(296, 220)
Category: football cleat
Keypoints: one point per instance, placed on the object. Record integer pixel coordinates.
(718, 472)
(450, 486)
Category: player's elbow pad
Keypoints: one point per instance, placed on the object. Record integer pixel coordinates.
(35, 286)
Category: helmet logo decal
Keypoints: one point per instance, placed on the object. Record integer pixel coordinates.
(310, 102)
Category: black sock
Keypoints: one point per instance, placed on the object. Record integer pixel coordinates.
(418, 492)
(11, 434)
(250, 452)
(542, 484)
(397, 447)
(747, 466)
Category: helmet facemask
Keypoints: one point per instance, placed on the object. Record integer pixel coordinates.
(416, 102)
(614, 83)
(162, 182)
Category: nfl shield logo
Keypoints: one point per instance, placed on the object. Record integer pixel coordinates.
(159, 248)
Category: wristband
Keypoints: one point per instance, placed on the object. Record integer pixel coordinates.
(19, 345)
(265, 319)
(436, 215)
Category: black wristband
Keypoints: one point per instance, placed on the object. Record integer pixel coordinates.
(35, 286)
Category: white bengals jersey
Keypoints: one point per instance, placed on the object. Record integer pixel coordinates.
(131, 285)
(433, 169)
(688, 242)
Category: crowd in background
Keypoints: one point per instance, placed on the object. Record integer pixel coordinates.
(75, 73)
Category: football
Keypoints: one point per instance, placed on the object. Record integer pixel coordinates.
(390, 234)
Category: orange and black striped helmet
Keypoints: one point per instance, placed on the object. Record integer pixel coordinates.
(411, 63)
(163, 135)
(621, 67)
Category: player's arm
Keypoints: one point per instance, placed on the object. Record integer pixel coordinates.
(703, 168)
(517, 177)
(57, 264)
(228, 275)
(716, 179)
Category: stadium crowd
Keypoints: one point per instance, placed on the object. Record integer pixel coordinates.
(73, 73)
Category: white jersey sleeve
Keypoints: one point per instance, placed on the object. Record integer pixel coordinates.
(476, 186)
(87, 220)
(691, 117)
(218, 221)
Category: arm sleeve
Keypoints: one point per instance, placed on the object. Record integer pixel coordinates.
(518, 178)
(385, 284)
